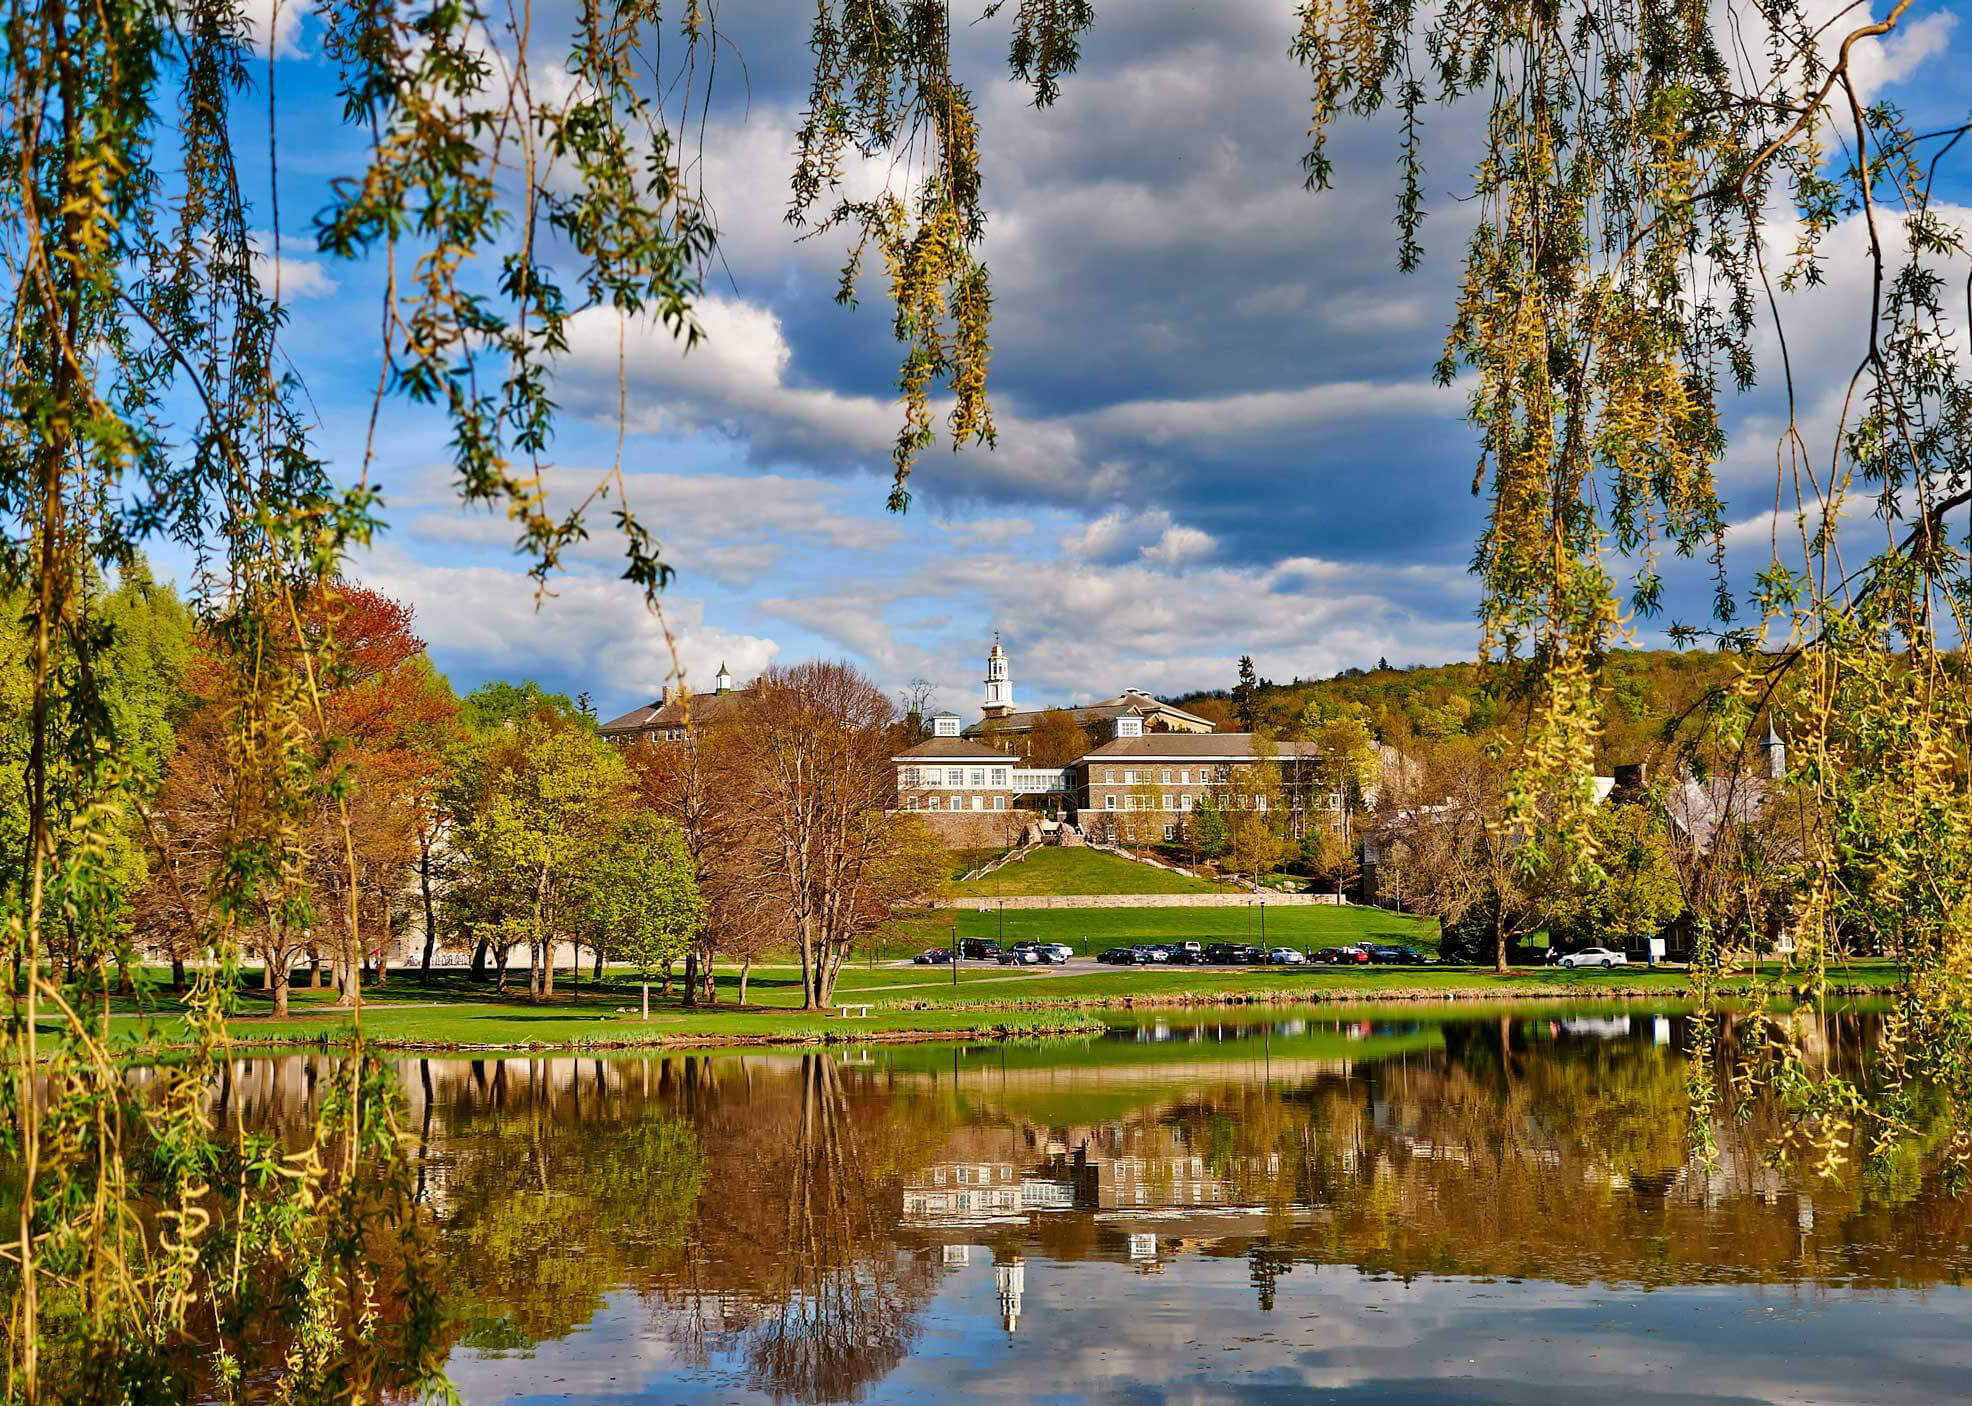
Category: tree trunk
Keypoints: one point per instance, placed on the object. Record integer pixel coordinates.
(281, 989)
(711, 997)
(691, 977)
(665, 990)
(431, 912)
(646, 1000)
(1499, 941)
(548, 970)
(316, 959)
(478, 971)
(533, 970)
(746, 968)
(178, 975)
(501, 987)
(599, 966)
(266, 973)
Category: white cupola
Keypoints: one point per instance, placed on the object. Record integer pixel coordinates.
(944, 724)
(722, 682)
(999, 688)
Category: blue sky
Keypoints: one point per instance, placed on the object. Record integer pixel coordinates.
(1218, 433)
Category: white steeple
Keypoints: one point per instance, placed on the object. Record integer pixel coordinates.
(1776, 751)
(722, 682)
(999, 689)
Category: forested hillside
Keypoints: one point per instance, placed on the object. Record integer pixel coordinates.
(1642, 691)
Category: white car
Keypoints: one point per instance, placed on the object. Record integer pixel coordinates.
(1288, 957)
(1594, 957)
(1061, 949)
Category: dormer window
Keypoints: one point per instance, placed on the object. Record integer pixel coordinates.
(945, 725)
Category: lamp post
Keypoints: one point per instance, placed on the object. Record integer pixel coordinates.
(1263, 922)
(955, 947)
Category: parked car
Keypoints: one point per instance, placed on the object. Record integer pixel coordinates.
(1023, 954)
(1150, 952)
(1342, 956)
(1192, 951)
(1594, 957)
(1225, 953)
(933, 956)
(1117, 956)
(979, 949)
(1061, 950)
(1287, 957)
(1389, 955)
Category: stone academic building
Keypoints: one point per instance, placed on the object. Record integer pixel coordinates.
(1158, 758)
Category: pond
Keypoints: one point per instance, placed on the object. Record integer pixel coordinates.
(1385, 1207)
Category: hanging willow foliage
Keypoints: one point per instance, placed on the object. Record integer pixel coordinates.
(1656, 175)
(1652, 172)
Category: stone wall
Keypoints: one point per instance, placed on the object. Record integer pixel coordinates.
(1140, 900)
(975, 829)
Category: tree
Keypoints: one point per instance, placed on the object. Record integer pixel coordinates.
(820, 785)
(1207, 830)
(1055, 740)
(1246, 696)
(1143, 819)
(548, 789)
(636, 897)
(1634, 893)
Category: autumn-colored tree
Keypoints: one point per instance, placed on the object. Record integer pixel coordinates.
(389, 719)
(1055, 740)
(820, 783)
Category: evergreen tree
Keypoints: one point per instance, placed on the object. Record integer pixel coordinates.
(1246, 695)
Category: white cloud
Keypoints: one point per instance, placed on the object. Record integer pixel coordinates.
(484, 621)
(299, 279)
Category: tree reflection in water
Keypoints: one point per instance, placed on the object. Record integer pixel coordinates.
(782, 1220)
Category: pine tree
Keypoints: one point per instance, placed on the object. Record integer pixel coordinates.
(1246, 695)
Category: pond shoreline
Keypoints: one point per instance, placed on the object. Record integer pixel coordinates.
(490, 1027)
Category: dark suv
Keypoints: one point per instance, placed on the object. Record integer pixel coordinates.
(979, 949)
(1385, 954)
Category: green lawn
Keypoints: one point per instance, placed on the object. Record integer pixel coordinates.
(1076, 870)
(1089, 930)
(988, 1001)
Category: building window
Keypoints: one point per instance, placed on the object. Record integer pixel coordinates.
(1109, 803)
(999, 776)
(1167, 779)
(1259, 802)
(1170, 832)
(1168, 805)
(910, 803)
(979, 776)
(955, 777)
(1109, 776)
(999, 803)
(909, 777)
(979, 803)
(934, 802)
(1184, 801)
(1184, 777)
(961, 1175)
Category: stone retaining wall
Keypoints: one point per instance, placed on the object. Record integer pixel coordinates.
(975, 904)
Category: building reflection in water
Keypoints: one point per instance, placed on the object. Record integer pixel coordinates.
(786, 1220)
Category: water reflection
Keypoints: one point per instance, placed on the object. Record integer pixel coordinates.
(824, 1227)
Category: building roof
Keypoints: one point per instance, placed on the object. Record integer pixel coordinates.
(1194, 746)
(954, 749)
(1130, 700)
(668, 713)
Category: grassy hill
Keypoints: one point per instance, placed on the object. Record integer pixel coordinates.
(1075, 870)
(1641, 689)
